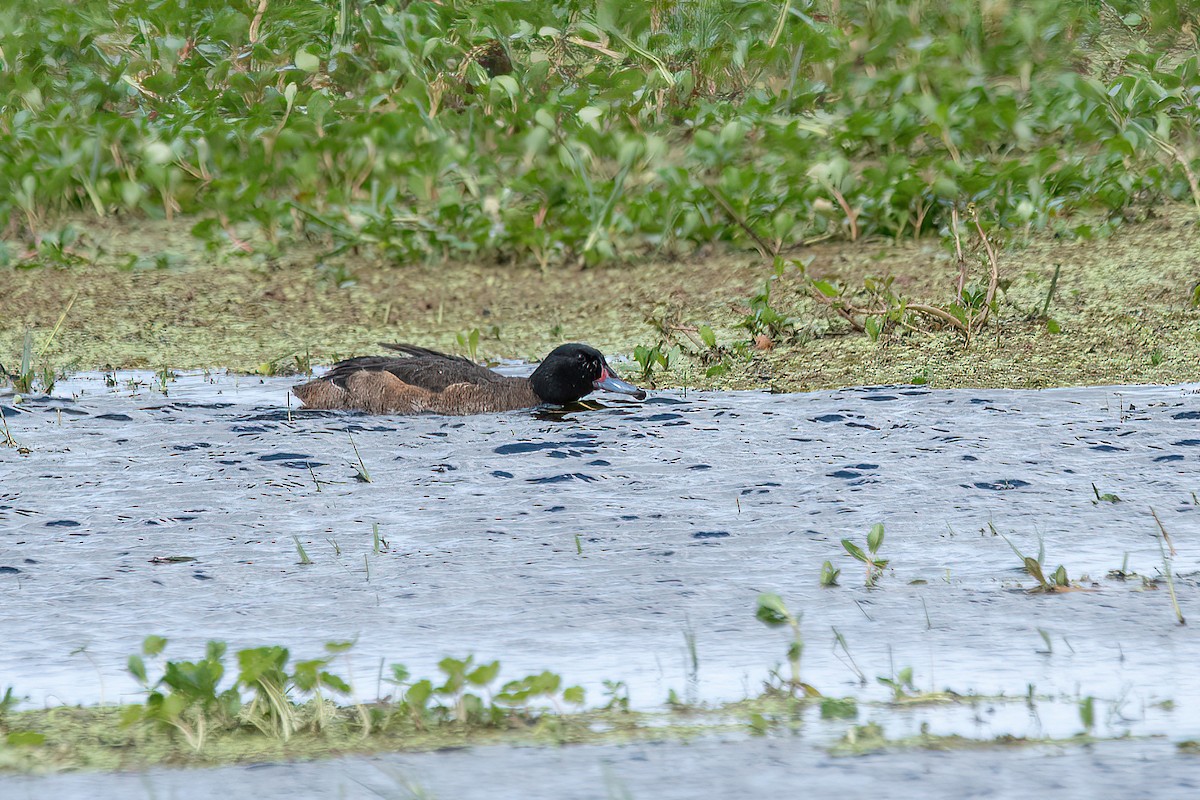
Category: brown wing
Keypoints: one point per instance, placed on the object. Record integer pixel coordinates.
(423, 368)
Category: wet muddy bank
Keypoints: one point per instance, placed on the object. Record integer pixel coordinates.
(1124, 306)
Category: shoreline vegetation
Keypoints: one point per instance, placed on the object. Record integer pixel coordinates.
(1119, 311)
(273, 708)
(785, 196)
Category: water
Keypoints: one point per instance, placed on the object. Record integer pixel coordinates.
(594, 543)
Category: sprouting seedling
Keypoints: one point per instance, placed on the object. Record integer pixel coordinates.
(773, 613)
(379, 543)
(829, 575)
(875, 565)
(1056, 582)
(650, 357)
(1104, 498)
(902, 685)
(1087, 712)
(304, 559)
(360, 471)
(469, 341)
(1167, 572)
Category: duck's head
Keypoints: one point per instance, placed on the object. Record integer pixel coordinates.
(572, 371)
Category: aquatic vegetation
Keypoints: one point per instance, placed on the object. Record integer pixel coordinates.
(829, 575)
(1057, 580)
(870, 557)
(774, 613)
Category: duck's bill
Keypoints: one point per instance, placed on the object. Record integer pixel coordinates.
(611, 383)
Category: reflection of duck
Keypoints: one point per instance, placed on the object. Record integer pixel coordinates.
(425, 380)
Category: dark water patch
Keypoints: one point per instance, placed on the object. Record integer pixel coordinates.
(599, 462)
(284, 457)
(663, 400)
(528, 447)
(700, 466)
(999, 486)
(1187, 443)
(1168, 459)
(1186, 415)
(9, 570)
(1107, 448)
(64, 409)
(969, 458)
(564, 478)
(828, 418)
(444, 468)
(555, 509)
(242, 430)
(9, 411)
(63, 523)
(656, 418)
(183, 448)
(501, 474)
(883, 398)
(711, 535)
(861, 425)
(845, 474)
(115, 417)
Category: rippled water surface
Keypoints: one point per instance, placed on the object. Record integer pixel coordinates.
(596, 542)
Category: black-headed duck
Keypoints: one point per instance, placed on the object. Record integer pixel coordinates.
(427, 381)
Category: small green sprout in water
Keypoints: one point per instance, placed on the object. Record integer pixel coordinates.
(1104, 498)
(379, 543)
(617, 693)
(902, 685)
(1057, 581)
(875, 565)
(1087, 713)
(360, 469)
(829, 575)
(773, 613)
(304, 559)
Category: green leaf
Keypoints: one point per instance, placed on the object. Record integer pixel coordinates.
(153, 645)
(574, 695)
(771, 610)
(825, 288)
(875, 537)
(307, 61)
(707, 336)
(137, 668)
(854, 550)
(484, 674)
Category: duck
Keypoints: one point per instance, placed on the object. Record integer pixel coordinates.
(426, 381)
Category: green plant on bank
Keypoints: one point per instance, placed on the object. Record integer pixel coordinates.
(557, 132)
(774, 613)
(651, 358)
(877, 307)
(829, 575)
(870, 557)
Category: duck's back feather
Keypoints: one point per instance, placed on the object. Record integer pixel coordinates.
(421, 367)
